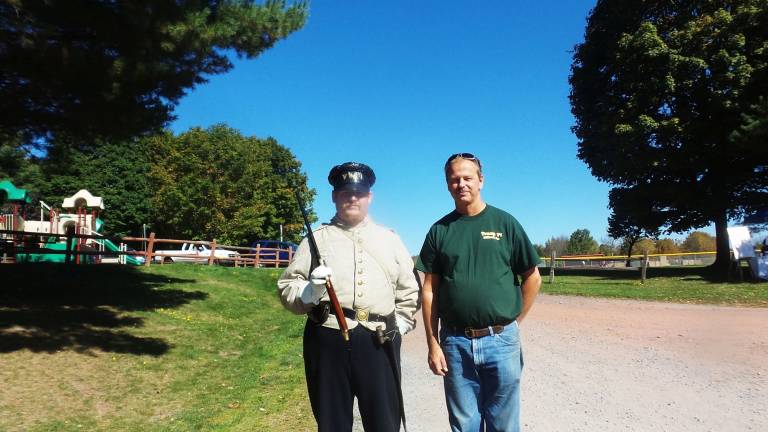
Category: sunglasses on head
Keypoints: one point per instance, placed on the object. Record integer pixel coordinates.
(467, 156)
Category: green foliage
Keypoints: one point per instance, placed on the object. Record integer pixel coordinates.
(670, 104)
(117, 172)
(216, 183)
(666, 246)
(202, 184)
(12, 157)
(17, 164)
(608, 249)
(581, 242)
(557, 244)
(631, 217)
(117, 69)
(642, 246)
(699, 241)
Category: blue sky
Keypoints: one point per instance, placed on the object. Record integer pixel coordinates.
(401, 85)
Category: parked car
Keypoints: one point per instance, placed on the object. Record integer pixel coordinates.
(195, 253)
(272, 250)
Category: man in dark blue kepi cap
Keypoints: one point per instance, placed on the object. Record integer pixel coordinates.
(352, 176)
(372, 275)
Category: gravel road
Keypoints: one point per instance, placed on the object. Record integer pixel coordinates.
(621, 365)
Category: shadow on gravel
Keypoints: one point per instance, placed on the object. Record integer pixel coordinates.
(53, 307)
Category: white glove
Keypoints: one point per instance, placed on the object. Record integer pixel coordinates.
(402, 325)
(315, 289)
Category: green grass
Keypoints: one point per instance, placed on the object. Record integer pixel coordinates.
(679, 285)
(171, 348)
(190, 347)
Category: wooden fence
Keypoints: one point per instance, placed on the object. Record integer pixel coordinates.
(639, 263)
(254, 257)
(18, 243)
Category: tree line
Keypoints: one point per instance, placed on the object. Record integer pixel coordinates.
(87, 90)
(200, 184)
(581, 242)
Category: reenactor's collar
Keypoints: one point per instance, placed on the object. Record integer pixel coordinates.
(337, 222)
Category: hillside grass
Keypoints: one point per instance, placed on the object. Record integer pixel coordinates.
(190, 347)
(169, 348)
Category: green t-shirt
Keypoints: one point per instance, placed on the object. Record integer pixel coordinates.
(478, 259)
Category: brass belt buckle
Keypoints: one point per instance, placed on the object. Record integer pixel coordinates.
(361, 314)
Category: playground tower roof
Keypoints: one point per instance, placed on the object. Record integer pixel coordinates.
(83, 198)
(14, 194)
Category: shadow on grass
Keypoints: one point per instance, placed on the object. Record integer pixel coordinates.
(50, 307)
(706, 274)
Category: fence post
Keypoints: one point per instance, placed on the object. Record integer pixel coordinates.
(150, 248)
(68, 249)
(213, 253)
(644, 268)
(256, 258)
(552, 267)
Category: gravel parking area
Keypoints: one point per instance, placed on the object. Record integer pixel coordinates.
(622, 365)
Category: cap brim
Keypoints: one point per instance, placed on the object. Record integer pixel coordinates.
(355, 187)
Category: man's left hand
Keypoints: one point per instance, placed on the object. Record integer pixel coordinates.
(402, 325)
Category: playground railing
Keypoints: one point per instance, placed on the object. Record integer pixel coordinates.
(27, 243)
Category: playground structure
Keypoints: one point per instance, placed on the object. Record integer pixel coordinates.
(14, 202)
(13, 205)
(79, 214)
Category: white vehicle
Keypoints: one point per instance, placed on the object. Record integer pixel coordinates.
(196, 253)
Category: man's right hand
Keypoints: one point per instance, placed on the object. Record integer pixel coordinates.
(436, 361)
(319, 275)
(315, 289)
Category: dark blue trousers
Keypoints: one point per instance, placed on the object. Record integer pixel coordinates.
(338, 371)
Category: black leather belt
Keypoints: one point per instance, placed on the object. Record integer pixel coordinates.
(364, 315)
(320, 313)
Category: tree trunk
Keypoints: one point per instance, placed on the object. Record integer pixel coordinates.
(629, 250)
(723, 257)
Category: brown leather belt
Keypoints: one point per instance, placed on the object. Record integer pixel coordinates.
(474, 333)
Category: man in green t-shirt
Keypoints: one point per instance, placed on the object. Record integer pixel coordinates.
(472, 259)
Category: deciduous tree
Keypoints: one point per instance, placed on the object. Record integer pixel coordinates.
(670, 98)
(581, 242)
(699, 241)
(217, 183)
(117, 69)
(632, 218)
(117, 172)
(557, 244)
(667, 246)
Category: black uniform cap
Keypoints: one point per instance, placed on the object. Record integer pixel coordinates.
(352, 176)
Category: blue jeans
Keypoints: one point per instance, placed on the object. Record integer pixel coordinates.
(482, 386)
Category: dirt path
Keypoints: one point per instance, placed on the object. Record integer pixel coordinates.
(618, 365)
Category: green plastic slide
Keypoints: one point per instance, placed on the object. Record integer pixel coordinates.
(108, 245)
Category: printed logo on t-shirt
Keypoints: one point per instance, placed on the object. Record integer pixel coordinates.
(490, 235)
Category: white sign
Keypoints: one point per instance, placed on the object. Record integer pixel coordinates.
(741, 242)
